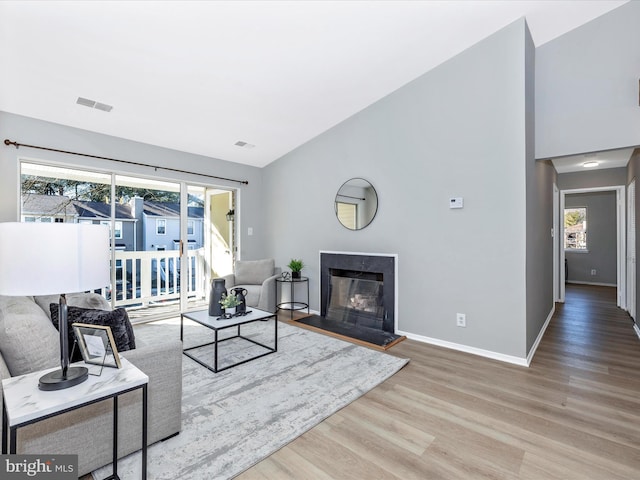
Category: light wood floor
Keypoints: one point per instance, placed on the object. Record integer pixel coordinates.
(574, 414)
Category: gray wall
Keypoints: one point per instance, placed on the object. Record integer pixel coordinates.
(36, 132)
(587, 86)
(540, 177)
(458, 130)
(609, 177)
(601, 239)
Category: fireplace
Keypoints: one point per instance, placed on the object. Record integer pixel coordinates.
(357, 296)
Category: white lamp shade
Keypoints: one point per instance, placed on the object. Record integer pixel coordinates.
(53, 258)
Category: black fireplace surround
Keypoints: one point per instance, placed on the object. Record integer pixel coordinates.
(364, 308)
(368, 266)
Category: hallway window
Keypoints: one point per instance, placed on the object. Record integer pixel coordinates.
(575, 228)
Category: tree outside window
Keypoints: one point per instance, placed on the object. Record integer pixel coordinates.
(575, 228)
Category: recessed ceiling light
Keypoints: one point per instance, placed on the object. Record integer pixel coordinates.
(591, 164)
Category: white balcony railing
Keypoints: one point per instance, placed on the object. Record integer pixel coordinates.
(144, 278)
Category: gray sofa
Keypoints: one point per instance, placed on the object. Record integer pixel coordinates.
(29, 342)
(258, 278)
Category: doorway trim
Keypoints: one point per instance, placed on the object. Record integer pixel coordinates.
(556, 244)
(621, 260)
(631, 250)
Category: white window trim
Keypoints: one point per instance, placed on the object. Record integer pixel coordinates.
(118, 231)
(158, 222)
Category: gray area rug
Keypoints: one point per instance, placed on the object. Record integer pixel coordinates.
(233, 419)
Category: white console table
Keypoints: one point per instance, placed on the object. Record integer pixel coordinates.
(24, 403)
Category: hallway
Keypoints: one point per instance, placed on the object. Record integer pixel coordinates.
(591, 333)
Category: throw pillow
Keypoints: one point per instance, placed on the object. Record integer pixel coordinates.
(83, 300)
(117, 319)
(28, 341)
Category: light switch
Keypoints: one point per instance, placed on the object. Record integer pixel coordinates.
(250, 231)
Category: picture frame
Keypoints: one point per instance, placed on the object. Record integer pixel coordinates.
(97, 345)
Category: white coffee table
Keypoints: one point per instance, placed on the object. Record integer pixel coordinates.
(24, 403)
(202, 317)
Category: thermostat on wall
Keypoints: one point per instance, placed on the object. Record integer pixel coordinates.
(456, 202)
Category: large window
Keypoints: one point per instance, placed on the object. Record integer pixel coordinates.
(575, 228)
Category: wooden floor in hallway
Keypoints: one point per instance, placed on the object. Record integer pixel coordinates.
(573, 414)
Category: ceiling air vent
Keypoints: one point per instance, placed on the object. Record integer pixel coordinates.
(103, 107)
(242, 144)
(93, 104)
(86, 102)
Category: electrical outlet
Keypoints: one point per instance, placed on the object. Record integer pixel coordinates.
(461, 320)
(594, 271)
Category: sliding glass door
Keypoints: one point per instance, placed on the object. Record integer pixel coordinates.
(164, 235)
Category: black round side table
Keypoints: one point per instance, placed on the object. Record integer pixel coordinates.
(291, 305)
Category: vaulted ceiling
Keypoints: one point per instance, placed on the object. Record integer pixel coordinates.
(201, 76)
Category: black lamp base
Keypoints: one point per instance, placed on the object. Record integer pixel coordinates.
(56, 381)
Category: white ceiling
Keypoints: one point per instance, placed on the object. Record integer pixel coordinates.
(200, 76)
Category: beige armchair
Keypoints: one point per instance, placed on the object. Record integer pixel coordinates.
(258, 278)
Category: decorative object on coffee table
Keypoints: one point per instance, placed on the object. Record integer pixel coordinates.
(230, 302)
(296, 266)
(218, 290)
(240, 294)
(54, 258)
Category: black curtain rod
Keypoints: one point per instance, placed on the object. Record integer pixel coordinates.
(18, 145)
(349, 196)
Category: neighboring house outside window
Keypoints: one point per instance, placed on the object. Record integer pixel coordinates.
(161, 226)
(117, 230)
(575, 228)
(190, 227)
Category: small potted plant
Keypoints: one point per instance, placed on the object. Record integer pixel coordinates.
(296, 267)
(229, 302)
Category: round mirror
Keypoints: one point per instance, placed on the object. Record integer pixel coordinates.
(356, 203)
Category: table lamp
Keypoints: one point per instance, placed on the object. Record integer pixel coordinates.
(54, 258)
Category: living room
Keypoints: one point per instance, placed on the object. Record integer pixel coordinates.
(463, 129)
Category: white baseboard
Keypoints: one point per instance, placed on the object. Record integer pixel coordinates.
(637, 329)
(467, 349)
(597, 284)
(535, 345)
